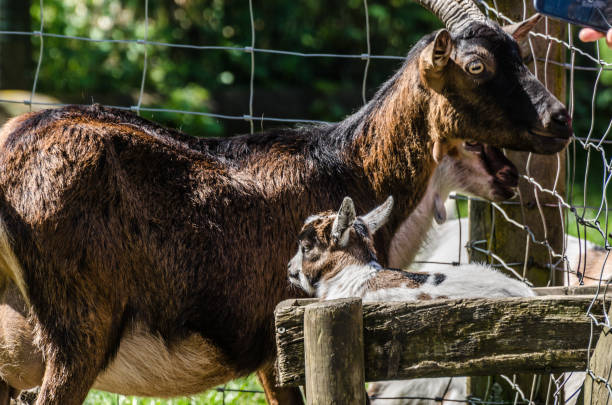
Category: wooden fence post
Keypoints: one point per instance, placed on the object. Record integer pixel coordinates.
(509, 241)
(595, 392)
(333, 349)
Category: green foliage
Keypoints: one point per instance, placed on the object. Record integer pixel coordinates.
(218, 80)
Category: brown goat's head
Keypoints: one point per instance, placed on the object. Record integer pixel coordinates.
(479, 89)
(328, 242)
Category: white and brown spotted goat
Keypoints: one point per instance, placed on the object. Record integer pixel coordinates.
(336, 259)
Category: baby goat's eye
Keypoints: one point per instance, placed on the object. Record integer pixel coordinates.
(306, 246)
(475, 68)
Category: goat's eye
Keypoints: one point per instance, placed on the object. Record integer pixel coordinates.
(306, 247)
(475, 68)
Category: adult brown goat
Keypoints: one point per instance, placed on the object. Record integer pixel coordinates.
(479, 170)
(151, 261)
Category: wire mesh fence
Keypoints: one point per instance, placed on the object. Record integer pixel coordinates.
(582, 205)
(580, 200)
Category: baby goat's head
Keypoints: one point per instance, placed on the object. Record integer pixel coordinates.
(479, 170)
(329, 242)
(474, 169)
(478, 86)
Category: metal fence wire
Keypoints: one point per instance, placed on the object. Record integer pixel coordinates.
(579, 211)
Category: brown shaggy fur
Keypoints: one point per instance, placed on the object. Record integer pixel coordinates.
(110, 221)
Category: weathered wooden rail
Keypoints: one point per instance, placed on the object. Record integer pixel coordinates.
(544, 334)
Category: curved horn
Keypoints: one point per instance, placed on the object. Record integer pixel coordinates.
(378, 216)
(456, 14)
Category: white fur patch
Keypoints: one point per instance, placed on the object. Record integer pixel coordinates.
(306, 285)
(450, 389)
(466, 281)
(21, 363)
(352, 281)
(296, 276)
(146, 366)
(476, 281)
(312, 218)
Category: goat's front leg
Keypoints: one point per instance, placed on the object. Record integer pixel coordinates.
(76, 350)
(276, 395)
(5, 393)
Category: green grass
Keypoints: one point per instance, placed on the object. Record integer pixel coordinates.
(211, 397)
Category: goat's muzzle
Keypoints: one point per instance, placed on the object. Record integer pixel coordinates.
(555, 131)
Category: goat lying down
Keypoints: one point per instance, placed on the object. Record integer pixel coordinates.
(336, 259)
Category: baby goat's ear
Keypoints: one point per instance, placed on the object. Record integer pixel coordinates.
(520, 30)
(344, 220)
(434, 58)
(378, 216)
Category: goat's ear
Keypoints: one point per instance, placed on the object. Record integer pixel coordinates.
(439, 210)
(378, 216)
(434, 58)
(520, 30)
(344, 220)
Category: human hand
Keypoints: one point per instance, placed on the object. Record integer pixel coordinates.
(589, 35)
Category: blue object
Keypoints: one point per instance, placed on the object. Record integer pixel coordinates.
(596, 14)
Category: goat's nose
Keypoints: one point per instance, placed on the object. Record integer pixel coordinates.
(561, 122)
(561, 117)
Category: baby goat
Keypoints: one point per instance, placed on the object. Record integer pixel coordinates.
(470, 168)
(336, 259)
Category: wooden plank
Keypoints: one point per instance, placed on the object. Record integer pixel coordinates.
(454, 337)
(333, 345)
(578, 290)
